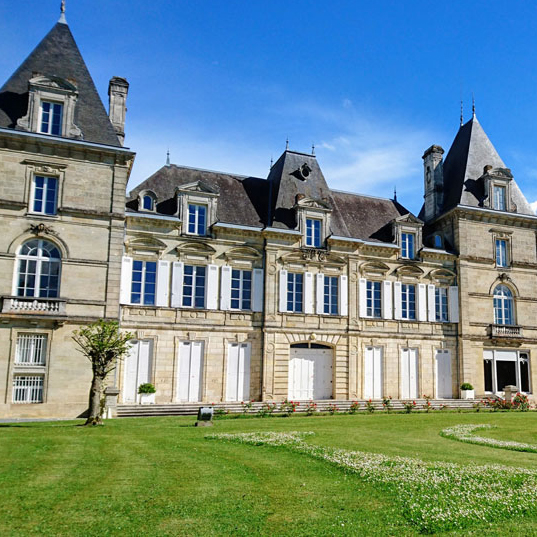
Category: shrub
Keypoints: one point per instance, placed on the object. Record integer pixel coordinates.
(409, 406)
(311, 407)
(288, 407)
(220, 412)
(355, 406)
(387, 403)
(427, 406)
(370, 407)
(332, 409)
(466, 386)
(246, 407)
(147, 387)
(520, 402)
(266, 410)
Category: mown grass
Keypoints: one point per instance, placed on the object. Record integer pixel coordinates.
(159, 476)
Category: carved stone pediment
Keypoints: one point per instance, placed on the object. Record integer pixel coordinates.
(53, 82)
(242, 253)
(311, 203)
(409, 272)
(443, 276)
(198, 187)
(408, 219)
(374, 268)
(145, 245)
(314, 256)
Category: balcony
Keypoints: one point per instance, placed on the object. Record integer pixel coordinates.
(31, 305)
(505, 331)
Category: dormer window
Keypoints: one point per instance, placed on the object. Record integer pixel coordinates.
(499, 198)
(147, 203)
(437, 241)
(51, 118)
(197, 219)
(313, 232)
(408, 245)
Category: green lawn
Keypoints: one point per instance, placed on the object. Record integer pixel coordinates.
(160, 476)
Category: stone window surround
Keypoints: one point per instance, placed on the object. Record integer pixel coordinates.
(315, 210)
(505, 236)
(490, 183)
(55, 90)
(409, 227)
(141, 195)
(43, 169)
(197, 194)
(20, 370)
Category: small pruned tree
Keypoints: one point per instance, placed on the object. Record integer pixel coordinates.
(103, 344)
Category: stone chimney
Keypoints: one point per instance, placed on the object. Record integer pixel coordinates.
(117, 93)
(433, 180)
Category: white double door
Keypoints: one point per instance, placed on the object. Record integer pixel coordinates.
(409, 373)
(444, 389)
(373, 373)
(310, 374)
(137, 368)
(238, 372)
(189, 379)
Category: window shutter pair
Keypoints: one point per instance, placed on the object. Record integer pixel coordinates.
(257, 289)
(307, 291)
(211, 286)
(387, 309)
(162, 287)
(453, 303)
(421, 301)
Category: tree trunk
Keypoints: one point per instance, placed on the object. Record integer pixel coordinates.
(95, 395)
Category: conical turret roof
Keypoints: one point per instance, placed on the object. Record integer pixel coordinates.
(57, 55)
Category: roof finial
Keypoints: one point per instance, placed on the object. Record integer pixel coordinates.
(473, 105)
(168, 157)
(62, 15)
(462, 115)
(271, 162)
(287, 143)
(312, 148)
(395, 193)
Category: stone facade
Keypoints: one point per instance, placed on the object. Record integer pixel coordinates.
(248, 288)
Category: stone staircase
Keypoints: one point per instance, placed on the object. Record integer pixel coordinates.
(191, 409)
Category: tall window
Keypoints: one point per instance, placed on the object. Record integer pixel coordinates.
(295, 292)
(144, 282)
(241, 289)
(313, 232)
(28, 389)
(408, 244)
(503, 305)
(441, 304)
(31, 349)
(197, 219)
(38, 269)
(506, 368)
(194, 280)
(501, 253)
(330, 295)
(51, 118)
(44, 195)
(408, 301)
(374, 299)
(499, 198)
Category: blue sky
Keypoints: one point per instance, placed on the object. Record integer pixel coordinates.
(372, 85)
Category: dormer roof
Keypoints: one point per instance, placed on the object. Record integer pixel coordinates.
(57, 57)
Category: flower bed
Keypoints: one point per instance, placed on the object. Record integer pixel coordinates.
(435, 496)
(463, 433)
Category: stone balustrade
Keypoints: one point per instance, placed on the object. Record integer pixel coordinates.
(31, 305)
(505, 331)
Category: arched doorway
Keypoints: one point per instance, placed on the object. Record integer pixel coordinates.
(310, 372)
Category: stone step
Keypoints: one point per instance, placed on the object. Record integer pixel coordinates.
(191, 409)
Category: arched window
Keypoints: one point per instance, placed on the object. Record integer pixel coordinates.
(148, 203)
(503, 305)
(38, 269)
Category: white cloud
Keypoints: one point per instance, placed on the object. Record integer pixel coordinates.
(533, 206)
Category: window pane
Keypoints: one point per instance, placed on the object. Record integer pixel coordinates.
(505, 374)
(488, 375)
(524, 375)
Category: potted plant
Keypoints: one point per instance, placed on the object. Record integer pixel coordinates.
(146, 394)
(467, 391)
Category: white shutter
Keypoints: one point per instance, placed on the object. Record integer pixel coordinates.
(211, 289)
(177, 285)
(308, 292)
(405, 373)
(387, 309)
(431, 303)
(453, 304)
(369, 368)
(283, 291)
(232, 372)
(413, 373)
(258, 290)
(377, 372)
(225, 288)
(343, 289)
(163, 283)
(320, 294)
(397, 299)
(362, 296)
(244, 371)
(422, 302)
(126, 280)
(183, 379)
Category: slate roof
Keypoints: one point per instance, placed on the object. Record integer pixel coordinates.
(470, 152)
(57, 55)
(246, 200)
